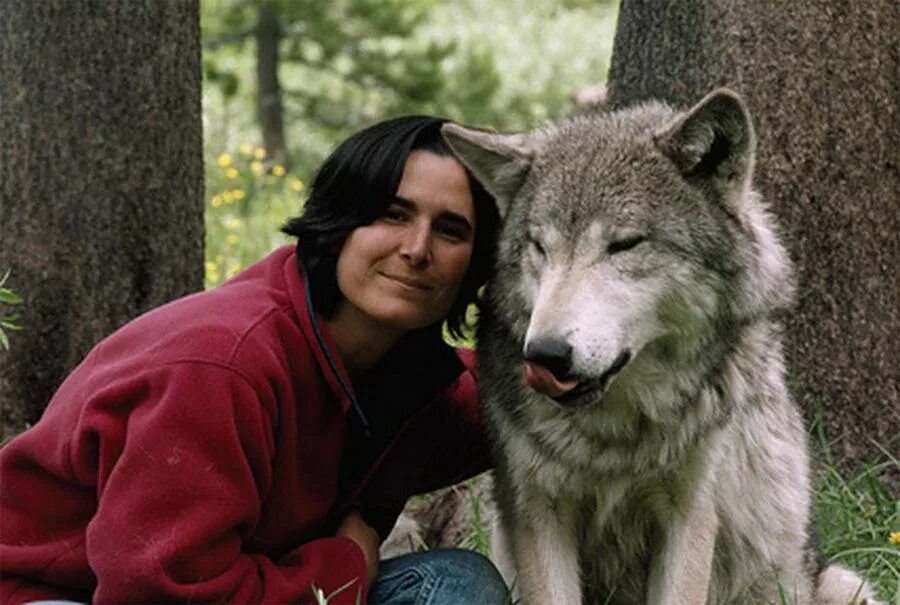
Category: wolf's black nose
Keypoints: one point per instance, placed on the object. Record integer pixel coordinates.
(551, 353)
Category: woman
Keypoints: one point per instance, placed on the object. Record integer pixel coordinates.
(254, 443)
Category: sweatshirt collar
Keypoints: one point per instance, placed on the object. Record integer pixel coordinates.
(332, 363)
(323, 345)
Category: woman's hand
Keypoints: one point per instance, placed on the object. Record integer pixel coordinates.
(354, 527)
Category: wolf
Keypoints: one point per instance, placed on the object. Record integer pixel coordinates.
(630, 352)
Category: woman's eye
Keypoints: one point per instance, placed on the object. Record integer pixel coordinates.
(624, 244)
(394, 215)
(451, 232)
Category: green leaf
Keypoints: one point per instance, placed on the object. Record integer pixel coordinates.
(4, 340)
(9, 297)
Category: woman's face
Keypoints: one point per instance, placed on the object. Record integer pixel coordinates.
(403, 271)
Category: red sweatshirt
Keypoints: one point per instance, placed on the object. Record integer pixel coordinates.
(194, 456)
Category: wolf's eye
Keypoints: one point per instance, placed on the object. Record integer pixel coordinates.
(537, 247)
(624, 244)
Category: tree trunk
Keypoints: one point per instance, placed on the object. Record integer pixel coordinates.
(101, 178)
(268, 88)
(821, 79)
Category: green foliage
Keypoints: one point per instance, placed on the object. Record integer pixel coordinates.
(540, 52)
(8, 321)
(343, 63)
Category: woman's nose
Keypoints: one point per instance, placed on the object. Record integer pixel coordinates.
(416, 244)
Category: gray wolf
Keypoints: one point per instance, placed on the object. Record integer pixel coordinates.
(648, 450)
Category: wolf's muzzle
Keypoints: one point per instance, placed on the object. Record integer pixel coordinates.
(547, 369)
(590, 391)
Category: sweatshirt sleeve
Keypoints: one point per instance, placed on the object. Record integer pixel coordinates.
(182, 476)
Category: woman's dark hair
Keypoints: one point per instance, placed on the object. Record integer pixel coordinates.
(357, 184)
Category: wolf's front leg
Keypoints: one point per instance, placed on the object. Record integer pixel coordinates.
(545, 554)
(682, 568)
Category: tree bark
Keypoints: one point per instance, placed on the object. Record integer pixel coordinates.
(101, 178)
(268, 89)
(821, 80)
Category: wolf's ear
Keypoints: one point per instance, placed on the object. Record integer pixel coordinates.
(714, 139)
(500, 162)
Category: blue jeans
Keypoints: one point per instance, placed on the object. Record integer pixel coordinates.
(438, 577)
(434, 577)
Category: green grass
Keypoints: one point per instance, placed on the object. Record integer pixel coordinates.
(478, 538)
(859, 520)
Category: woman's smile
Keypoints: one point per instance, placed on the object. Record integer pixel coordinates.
(412, 284)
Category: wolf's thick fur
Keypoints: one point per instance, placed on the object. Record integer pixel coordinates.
(648, 450)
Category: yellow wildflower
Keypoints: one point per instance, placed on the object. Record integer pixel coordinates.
(297, 185)
(232, 239)
(216, 201)
(259, 153)
(233, 268)
(232, 222)
(227, 197)
(231, 173)
(894, 538)
(256, 168)
(246, 149)
(238, 194)
(212, 272)
(278, 170)
(224, 160)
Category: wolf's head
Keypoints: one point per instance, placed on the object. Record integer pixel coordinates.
(631, 241)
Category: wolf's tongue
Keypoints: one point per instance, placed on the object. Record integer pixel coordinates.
(543, 381)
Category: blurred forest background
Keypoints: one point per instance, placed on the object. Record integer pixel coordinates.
(286, 81)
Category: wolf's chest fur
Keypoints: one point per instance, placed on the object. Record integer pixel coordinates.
(620, 489)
